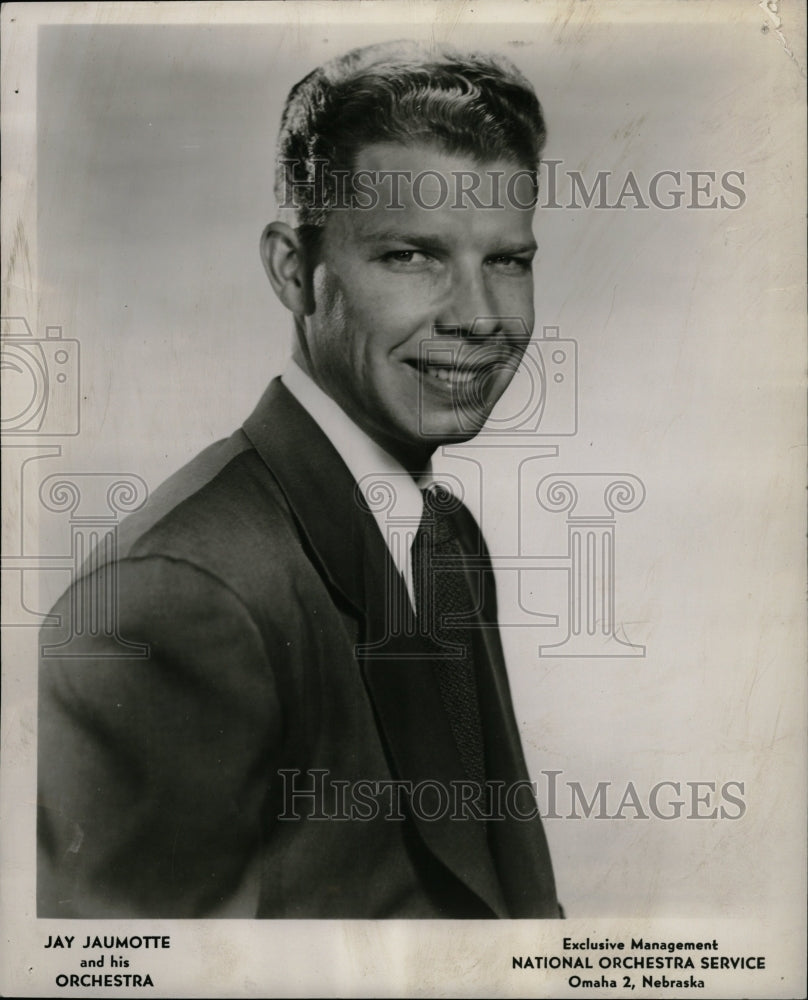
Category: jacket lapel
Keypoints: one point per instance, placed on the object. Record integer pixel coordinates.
(400, 677)
(319, 488)
(348, 547)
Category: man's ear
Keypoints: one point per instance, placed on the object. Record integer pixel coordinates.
(285, 263)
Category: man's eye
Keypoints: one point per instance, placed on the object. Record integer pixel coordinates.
(406, 257)
(512, 263)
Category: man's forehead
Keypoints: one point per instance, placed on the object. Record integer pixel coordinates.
(434, 189)
(428, 167)
(423, 155)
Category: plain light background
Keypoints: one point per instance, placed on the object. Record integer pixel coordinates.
(155, 153)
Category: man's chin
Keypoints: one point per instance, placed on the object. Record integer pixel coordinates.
(456, 431)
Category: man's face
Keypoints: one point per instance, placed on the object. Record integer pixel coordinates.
(421, 314)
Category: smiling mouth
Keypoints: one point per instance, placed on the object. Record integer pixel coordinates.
(450, 376)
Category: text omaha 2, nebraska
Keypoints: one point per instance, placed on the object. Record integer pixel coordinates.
(111, 941)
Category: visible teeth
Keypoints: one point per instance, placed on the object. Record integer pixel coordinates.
(451, 375)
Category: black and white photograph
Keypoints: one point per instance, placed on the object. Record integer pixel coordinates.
(403, 446)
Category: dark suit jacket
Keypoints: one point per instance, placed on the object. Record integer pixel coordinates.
(252, 575)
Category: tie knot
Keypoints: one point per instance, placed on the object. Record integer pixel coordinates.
(436, 520)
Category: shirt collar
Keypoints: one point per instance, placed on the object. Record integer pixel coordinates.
(390, 492)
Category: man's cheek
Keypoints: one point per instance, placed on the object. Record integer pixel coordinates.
(400, 290)
(399, 303)
(515, 298)
(393, 324)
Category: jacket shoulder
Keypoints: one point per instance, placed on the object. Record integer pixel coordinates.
(221, 513)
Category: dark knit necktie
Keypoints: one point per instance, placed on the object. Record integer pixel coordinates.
(442, 599)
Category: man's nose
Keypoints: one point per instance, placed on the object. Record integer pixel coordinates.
(469, 308)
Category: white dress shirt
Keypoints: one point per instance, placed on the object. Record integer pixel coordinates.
(390, 492)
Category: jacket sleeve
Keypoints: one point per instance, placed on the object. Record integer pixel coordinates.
(153, 771)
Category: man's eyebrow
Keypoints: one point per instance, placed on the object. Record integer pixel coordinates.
(425, 240)
(429, 241)
(514, 248)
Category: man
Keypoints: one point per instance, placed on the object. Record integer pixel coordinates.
(323, 727)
